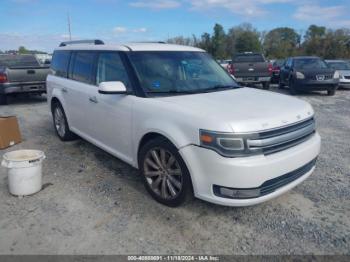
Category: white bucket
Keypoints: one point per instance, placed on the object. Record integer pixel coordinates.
(24, 171)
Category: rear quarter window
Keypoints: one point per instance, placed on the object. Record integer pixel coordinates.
(60, 62)
(83, 67)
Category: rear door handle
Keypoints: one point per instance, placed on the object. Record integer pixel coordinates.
(93, 99)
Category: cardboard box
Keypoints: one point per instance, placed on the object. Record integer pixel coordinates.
(9, 131)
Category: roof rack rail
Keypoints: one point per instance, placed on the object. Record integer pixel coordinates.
(149, 42)
(76, 42)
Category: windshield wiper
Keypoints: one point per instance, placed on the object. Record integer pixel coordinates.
(172, 92)
(218, 87)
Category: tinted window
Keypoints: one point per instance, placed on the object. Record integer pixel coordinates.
(83, 66)
(13, 61)
(248, 58)
(59, 64)
(110, 68)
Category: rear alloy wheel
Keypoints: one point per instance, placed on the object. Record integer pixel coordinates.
(165, 174)
(61, 124)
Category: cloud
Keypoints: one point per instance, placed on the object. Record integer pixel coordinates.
(156, 4)
(140, 30)
(334, 16)
(119, 30)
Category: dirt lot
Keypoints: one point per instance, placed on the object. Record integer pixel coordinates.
(95, 204)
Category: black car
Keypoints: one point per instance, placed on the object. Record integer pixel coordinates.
(308, 73)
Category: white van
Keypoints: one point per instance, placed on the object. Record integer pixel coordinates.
(175, 114)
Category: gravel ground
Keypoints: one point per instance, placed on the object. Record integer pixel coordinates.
(95, 204)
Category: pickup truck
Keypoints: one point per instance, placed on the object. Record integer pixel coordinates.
(251, 68)
(21, 74)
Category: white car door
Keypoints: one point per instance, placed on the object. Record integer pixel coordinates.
(111, 114)
(78, 91)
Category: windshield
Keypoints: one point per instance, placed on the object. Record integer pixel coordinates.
(339, 65)
(13, 61)
(179, 72)
(310, 63)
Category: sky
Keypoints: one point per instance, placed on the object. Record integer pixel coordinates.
(42, 24)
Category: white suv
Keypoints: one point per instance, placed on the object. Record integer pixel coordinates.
(175, 114)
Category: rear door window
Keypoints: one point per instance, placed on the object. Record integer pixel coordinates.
(59, 64)
(83, 66)
(110, 67)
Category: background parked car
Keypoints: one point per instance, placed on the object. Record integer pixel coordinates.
(344, 71)
(308, 73)
(251, 68)
(21, 74)
(276, 67)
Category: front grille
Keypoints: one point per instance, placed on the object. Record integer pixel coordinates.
(276, 140)
(347, 77)
(267, 187)
(325, 77)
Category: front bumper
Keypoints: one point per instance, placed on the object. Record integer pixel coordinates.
(344, 83)
(253, 79)
(314, 85)
(28, 87)
(207, 168)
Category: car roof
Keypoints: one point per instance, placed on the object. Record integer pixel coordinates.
(306, 57)
(132, 47)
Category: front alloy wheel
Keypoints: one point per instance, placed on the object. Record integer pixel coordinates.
(165, 174)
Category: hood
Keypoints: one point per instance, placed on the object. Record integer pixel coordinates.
(243, 109)
(313, 72)
(344, 72)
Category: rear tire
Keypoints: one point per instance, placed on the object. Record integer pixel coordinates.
(3, 99)
(61, 124)
(266, 85)
(165, 174)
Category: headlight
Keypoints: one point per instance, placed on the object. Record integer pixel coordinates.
(225, 144)
(336, 75)
(300, 75)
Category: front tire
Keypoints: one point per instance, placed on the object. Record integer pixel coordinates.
(266, 85)
(164, 172)
(61, 124)
(3, 99)
(292, 89)
(331, 92)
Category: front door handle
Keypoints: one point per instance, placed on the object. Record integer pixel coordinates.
(64, 90)
(93, 99)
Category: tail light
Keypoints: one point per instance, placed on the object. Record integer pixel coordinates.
(3, 78)
(270, 68)
(231, 69)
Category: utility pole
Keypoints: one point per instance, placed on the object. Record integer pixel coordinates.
(69, 31)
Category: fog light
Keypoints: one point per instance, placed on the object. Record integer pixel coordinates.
(235, 193)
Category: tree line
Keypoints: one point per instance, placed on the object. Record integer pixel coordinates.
(280, 42)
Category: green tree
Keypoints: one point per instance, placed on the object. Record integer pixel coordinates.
(314, 40)
(205, 42)
(219, 42)
(245, 38)
(281, 42)
(23, 50)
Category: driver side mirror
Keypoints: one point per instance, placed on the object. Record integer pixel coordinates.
(113, 87)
